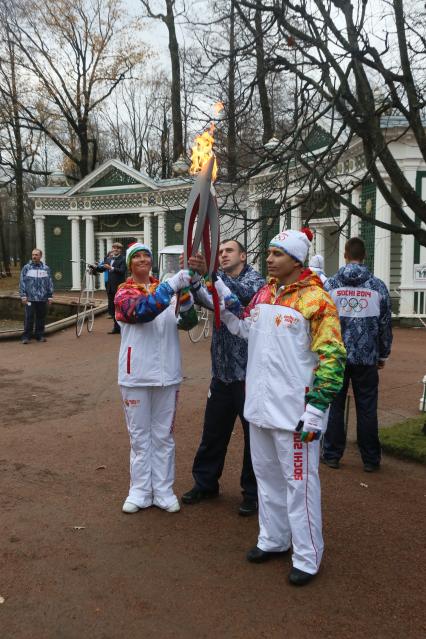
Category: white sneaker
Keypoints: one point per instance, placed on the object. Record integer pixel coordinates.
(174, 508)
(129, 508)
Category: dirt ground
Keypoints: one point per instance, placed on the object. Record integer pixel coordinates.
(73, 566)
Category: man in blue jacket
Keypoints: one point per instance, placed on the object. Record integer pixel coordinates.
(36, 292)
(225, 400)
(364, 307)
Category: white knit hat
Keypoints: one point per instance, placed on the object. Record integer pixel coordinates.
(317, 261)
(294, 243)
(135, 248)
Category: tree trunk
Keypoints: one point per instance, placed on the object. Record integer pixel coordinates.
(176, 84)
(19, 173)
(268, 127)
(232, 135)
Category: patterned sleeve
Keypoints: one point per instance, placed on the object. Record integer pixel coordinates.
(385, 324)
(327, 343)
(246, 287)
(143, 307)
(22, 288)
(50, 284)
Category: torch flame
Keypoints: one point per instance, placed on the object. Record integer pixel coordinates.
(202, 150)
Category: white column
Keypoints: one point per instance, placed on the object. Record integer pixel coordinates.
(296, 217)
(90, 239)
(253, 234)
(39, 234)
(382, 240)
(75, 252)
(102, 253)
(108, 244)
(147, 228)
(161, 230)
(355, 220)
(319, 241)
(406, 303)
(343, 235)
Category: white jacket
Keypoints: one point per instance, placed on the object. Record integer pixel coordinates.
(150, 352)
(280, 365)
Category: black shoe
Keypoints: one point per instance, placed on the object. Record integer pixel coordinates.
(258, 556)
(331, 463)
(114, 332)
(248, 507)
(299, 577)
(25, 341)
(195, 495)
(371, 468)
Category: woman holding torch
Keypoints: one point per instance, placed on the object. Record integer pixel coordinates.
(149, 376)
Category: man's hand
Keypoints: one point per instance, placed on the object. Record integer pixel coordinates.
(50, 300)
(310, 424)
(195, 263)
(107, 266)
(381, 364)
(24, 300)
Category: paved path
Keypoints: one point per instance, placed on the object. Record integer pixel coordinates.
(72, 566)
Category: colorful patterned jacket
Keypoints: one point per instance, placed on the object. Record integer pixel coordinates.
(35, 282)
(295, 350)
(149, 350)
(364, 307)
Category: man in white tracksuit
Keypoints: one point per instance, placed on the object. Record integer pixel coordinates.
(296, 360)
(149, 375)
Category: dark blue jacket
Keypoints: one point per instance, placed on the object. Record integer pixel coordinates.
(229, 353)
(35, 282)
(364, 307)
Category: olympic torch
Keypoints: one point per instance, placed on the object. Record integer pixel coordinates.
(202, 212)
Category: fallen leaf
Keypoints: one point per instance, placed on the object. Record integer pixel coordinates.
(100, 467)
(79, 527)
(2, 600)
(363, 485)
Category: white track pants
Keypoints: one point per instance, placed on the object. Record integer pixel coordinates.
(150, 413)
(289, 495)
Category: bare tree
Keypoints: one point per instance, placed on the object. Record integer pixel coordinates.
(357, 74)
(77, 54)
(135, 120)
(169, 19)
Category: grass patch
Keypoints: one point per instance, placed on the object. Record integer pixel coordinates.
(406, 439)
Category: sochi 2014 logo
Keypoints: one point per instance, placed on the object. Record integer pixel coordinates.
(353, 304)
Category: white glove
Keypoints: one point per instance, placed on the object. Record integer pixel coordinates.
(311, 424)
(222, 290)
(195, 280)
(180, 280)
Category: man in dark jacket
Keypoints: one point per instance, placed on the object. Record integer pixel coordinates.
(364, 307)
(115, 264)
(225, 400)
(36, 292)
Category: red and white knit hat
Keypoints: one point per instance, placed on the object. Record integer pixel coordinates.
(294, 243)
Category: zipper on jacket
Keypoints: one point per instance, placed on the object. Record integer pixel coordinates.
(129, 355)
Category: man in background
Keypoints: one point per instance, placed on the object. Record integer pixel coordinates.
(364, 308)
(115, 265)
(36, 292)
(225, 400)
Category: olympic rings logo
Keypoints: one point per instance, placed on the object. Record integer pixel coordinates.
(353, 304)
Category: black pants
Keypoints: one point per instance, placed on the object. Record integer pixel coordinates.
(35, 311)
(365, 386)
(224, 404)
(111, 308)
